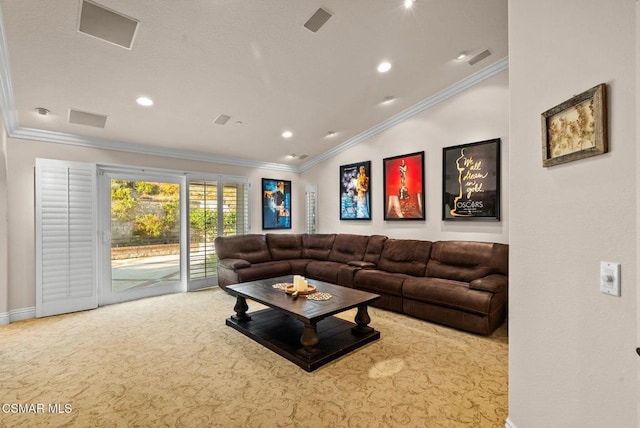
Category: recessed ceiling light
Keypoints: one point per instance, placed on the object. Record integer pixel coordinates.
(462, 55)
(287, 134)
(331, 133)
(409, 3)
(144, 101)
(384, 67)
(42, 111)
(388, 99)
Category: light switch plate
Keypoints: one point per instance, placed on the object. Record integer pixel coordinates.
(610, 278)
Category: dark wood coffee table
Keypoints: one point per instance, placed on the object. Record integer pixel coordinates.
(303, 331)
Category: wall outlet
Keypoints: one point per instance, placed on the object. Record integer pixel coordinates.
(610, 278)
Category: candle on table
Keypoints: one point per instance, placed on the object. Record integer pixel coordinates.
(301, 285)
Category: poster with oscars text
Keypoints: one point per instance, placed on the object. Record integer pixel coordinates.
(471, 181)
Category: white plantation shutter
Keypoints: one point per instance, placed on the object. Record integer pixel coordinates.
(65, 237)
(218, 206)
(203, 228)
(311, 205)
(235, 206)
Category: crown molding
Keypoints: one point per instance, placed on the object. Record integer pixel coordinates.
(7, 105)
(464, 84)
(97, 143)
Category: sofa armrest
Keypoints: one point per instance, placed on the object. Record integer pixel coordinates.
(362, 264)
(493, 283)
(234, 263)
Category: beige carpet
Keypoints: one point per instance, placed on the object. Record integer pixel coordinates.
(171, 362)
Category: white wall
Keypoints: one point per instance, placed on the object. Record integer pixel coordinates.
(21, 155)
(572, 360)
(480, 113)
(4, 288)
(638, 193)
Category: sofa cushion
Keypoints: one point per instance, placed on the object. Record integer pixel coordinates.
(284, 246)
(317, 246)
(406, 256)
(347, 248)
(252, 248)
(375, 244)
(466, 260)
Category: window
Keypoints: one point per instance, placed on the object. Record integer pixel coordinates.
(217, 207)
(311, 203)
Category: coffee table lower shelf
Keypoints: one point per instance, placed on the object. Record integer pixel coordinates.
(281, 334)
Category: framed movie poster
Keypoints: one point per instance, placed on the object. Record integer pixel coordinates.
(276, 204)
(355, 193)
(404, 187)
(471, 181)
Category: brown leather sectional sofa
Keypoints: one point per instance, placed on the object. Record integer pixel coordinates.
(461, 284)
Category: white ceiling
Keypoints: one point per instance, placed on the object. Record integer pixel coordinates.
(250, 59)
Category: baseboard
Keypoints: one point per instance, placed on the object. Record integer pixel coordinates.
(20, 314)
(509, 424)
(4, 318)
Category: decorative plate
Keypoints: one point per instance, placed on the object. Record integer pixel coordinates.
(291, 288)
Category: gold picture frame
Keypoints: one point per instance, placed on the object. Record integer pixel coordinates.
(576, 129)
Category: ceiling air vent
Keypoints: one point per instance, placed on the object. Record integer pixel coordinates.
(88, 119)
(222, 119)
(107, 25)
(482, 55)
(317, 20)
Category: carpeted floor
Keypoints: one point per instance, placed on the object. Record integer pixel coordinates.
(170, 361)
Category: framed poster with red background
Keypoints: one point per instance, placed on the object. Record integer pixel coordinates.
(404, 187)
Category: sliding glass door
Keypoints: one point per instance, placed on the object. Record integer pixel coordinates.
(142, 231)
(158, 229)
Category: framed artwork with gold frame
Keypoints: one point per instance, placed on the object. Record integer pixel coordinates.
(576, 129)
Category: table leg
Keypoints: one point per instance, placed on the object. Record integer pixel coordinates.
(241, 310)
(309, 338)
(362, 320)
